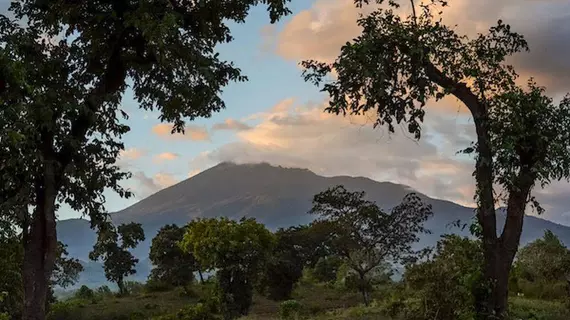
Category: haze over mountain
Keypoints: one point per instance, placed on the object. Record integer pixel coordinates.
(275, 196)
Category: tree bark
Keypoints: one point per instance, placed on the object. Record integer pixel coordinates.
(40, 248)
(121, 286)
(363, 289)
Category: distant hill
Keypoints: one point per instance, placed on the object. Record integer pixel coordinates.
(275, 196)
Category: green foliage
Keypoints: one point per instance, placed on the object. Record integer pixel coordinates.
(112, 247)
(84, 293)
(237, 251)
(326, 268)
(447, 282)
(296, 248)
(104, 291)
(66, 271)
(4, 315)
(66, 310)
(541, 269)
(364, 235)
(170, 264)
(133, 287)
(544, 259)
(290, 310)
(196, 312)
(11, 291)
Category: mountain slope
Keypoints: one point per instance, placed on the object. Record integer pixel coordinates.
(275, 196)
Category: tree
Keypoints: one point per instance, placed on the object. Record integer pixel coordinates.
(545, 264)
(398, 64)
(171, 265)
(11, 256)
(64, 73)
(112, 247)
(297, 248)
(447, 281)
(66, 270)
(364, 235)
(326, 268)
(237, 251)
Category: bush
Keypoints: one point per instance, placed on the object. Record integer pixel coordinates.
(153, 285)
(104, 292)
(290, 310)
(66, 310)
(84, 293)
(326, 269)
(195, 312)
(446, 284)
(133, 287)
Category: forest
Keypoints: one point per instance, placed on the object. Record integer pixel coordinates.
(65, 66)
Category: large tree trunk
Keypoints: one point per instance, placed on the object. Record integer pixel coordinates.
(40, 248)
(363, 288)
(500, 252)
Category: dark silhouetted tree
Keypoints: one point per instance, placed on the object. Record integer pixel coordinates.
(403, 60)
(63, 74)
(367, 237)
(172, 266)
(113, 246)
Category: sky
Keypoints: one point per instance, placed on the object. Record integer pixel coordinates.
(278, 118)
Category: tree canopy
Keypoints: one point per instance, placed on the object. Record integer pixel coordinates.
(237, 251)
(364, 235)
(113, 246)
(172, 266)
(402, 60)
(545, 259)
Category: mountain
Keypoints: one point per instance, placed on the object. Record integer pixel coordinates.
(275, 196)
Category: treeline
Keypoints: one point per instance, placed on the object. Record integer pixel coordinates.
(352, 245)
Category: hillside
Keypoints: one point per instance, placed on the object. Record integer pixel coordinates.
(275, 196)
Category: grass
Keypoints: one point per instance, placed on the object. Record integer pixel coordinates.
(140, 306)
(319, 302)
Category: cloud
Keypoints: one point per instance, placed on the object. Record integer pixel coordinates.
(165, 156)
(320, 31)
(192, 132)
(231, 124)
(131, 154)
(327, 144)
(146, 186)
(193, 173)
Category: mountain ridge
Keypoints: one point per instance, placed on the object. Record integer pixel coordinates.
(274, 195)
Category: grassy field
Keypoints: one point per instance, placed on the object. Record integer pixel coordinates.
(318, 302)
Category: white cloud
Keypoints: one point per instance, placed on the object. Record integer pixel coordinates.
(145, 186)
(166, 156)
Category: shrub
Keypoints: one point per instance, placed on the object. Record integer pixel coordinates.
(326, 269)
(133, 287)
(84, 293)
(195, 312)
(447, 283)
(104, 291)
(153, 285)
(290, 310)
(66, 310)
